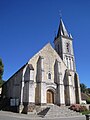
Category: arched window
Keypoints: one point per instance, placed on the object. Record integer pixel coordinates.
(49, 75)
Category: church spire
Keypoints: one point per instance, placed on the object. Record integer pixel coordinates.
(64, 46)
(62, 30)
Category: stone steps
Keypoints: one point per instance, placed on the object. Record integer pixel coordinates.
(56, 111)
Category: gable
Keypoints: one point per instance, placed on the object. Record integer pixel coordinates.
(50, 56)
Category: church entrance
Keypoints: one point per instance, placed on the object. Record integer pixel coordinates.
(50, 96)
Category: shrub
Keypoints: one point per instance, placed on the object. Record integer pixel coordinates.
(83, 108)
(78, 108)
(88, 100)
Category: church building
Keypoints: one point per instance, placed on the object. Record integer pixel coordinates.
(49, 77)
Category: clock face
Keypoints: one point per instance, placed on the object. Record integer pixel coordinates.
(68, 47)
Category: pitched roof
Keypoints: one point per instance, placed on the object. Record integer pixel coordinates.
(62, 30)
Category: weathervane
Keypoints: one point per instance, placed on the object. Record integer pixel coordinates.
(60, 14)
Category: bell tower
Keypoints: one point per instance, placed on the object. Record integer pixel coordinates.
(64, 46)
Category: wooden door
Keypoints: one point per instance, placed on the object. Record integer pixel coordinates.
(50, 96)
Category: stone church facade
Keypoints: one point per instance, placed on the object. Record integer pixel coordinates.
(49, 77)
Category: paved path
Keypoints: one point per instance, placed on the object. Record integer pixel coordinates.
(16, 116)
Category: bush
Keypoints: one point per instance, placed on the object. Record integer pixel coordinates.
(83, 108)
(85, 112)
(88, 100)
(78, 108)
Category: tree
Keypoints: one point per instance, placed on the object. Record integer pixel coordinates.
(83, 88)
(1, 82)
(88, 90)
(1, 69)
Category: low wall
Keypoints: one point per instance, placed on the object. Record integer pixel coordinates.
(87, 106)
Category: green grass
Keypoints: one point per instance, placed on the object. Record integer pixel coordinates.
(85, 112)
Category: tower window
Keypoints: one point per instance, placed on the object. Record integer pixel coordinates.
(68, 47)
(49, 75)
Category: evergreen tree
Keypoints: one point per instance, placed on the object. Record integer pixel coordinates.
(83, 88)
(88, 90)
(1, 69)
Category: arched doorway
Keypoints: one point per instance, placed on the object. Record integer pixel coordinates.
(50, 96)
